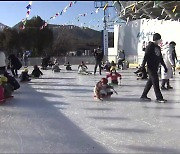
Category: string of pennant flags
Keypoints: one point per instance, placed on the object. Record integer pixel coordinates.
(28, 7)
(156, 3)
(79, 16)
(60, 13)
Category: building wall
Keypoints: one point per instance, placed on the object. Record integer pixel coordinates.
(125, 38)
(130, 37)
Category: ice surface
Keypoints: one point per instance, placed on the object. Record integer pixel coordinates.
(58, 114)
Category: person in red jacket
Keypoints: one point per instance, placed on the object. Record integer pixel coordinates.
(102, 89)
(114, 76)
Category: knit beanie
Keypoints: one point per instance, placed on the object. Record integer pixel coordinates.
(172, 43)
(156, 37)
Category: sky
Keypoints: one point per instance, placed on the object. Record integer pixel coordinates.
(12, 12)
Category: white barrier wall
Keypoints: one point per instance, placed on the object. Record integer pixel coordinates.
(169, 30)
(130, 37)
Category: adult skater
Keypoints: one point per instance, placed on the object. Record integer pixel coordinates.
(98, 54)
(15, 64)
(174, 56)
(153, 58)
(121, 59)
(167, 56)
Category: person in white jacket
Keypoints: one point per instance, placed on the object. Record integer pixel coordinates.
(168, 60)
(2, 61)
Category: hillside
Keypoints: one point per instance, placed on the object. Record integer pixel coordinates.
(2, 26)
(81, 38)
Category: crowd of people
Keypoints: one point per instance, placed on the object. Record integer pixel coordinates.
(156, 63)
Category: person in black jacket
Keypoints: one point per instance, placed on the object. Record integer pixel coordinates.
(153, 58)
(36, 73)
(98, 54)
(174, 55)
(15, 64)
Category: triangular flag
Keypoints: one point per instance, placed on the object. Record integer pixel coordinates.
(127, 20)
(28, 7)
(97, 10)
(114, 2)
(162, 11)
(133, 7)
(105, 6)
(70, 4)
(174, 8)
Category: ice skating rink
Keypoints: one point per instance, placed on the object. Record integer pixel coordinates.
(58, 114)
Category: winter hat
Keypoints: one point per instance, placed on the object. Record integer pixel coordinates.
(113, 68)
(104, 80)
(172, 43)
(4, 79)
(156, 37)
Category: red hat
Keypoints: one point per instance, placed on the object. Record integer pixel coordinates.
(104, 80)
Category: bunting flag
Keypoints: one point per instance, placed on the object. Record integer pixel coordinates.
(162, 11)
(156, 3)
(174, 8)
(105, 6)
(127, 20)
(58, 13)
(114, 3)
(97, 10)
(28, 7)
(133, 8)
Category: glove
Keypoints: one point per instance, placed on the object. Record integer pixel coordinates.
(165, 70)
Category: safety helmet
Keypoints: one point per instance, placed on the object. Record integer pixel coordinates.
(4, 79)
(113, 68)
(104, 80)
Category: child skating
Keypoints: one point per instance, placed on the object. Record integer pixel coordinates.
(36, 73)
(103, 90)
(114, 76)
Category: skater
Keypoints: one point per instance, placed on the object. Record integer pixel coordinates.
(121, 59)
(56, 68)
(82, 69)
(12, 81)
(107, 66)
(141, 73)
(113, 64)
(25, 76)
(102, 89)
(8, 88)
(2, 62)
(36, 73)
(174, 56)
(98, 54)
(15, 64)
(114, 76)
(45, 62)
(26, 58)
(170, 63)
(68, 66)
(153, 58)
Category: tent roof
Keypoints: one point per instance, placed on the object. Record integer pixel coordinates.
(150, 10)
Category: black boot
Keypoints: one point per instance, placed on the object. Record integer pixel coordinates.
(168, 85)
(163, 85)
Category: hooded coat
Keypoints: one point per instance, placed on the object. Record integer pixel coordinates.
(168, 60)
